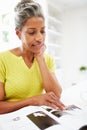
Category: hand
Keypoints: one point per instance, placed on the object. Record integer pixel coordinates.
(41, 52)
(49, 99)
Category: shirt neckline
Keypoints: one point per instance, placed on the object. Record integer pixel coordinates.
(21, 58)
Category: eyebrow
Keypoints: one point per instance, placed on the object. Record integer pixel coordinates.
(35, 28)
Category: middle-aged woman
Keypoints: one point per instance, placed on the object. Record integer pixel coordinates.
(26, 71)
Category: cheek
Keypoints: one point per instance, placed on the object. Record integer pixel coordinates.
(44, 36)
(22, 37)
(25, 39)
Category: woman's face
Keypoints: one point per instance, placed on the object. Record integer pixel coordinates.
(32, 34)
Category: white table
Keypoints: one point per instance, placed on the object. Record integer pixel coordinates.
(77, 94)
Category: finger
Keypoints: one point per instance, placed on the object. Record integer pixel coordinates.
(55, 100)
(52, 94)
(61, 105)
(52, 105)
(56, 104)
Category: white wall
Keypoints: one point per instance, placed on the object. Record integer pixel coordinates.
(74, 45)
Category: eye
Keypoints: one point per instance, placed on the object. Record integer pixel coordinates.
(31, 33)
(42, 31)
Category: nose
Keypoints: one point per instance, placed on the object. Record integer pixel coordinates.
(39, 37)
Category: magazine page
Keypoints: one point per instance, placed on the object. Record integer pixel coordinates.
(32, 117)
(18, 120)
(44, 118)
(73, 118)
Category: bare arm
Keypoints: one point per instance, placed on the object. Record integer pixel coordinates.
(48, 99)
(50, 81)
(6, 106)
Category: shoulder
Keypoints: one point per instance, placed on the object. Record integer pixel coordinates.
(5, 57)
(48, 58)
(8, 52)
(4, 54)
(50, 62)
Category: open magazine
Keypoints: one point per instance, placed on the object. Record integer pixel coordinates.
(45, 118)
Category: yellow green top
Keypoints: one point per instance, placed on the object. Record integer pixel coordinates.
(20, 81)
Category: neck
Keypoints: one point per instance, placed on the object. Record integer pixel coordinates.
(27, 55)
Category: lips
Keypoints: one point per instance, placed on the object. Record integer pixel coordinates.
(37, 46)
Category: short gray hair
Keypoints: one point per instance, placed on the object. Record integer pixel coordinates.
(25, 10)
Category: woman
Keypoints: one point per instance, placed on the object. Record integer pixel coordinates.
(26, 71)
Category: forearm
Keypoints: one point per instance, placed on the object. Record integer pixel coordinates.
(6, 106)
(48, 99)
(49, 80)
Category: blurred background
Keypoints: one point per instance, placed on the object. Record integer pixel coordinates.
(66, 40)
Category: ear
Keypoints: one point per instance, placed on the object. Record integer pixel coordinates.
(18, 33)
